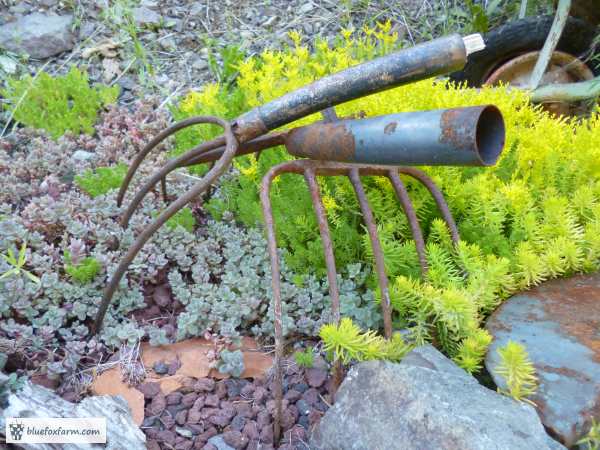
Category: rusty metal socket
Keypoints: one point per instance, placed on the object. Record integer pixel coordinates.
(472, 136)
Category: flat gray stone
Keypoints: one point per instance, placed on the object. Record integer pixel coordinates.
(35, 401)
(38, 35)
(559, 324)
(425, 402)
(146, 17)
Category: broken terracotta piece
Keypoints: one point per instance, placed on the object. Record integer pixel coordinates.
(193, 355)
(110, 382)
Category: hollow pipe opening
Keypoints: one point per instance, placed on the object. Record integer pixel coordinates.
(489, 135)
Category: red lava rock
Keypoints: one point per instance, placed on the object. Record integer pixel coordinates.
(198, 403)
(316, 377)
(188, 384)
(247, 390)
(296, 434)
(292, 395)
(314, 417)
(251, 430)
(266, 434)
(173, 367)
(152, 433)
(311, 396)
(158, 405)
(243, 409)
(221, 390)
(162, 295)
(205, 413)
(212, 431)
(260, 394)
(263, 419)
(166, 436)
(194, 416)
(226, 404)
(220, 420)
(255, 410)
(204, 385)
(186, 444)
(174, 398)
(211, 400)
(150, 390)
(174, 409)
(189, 399)
(209, 447)
(152, 445)
(195, 428)
(168, 421)
(287, 419)
(294, 411)
(271, 405)
(253, 445)
(238, 422)
(181, 417)
(236, 439)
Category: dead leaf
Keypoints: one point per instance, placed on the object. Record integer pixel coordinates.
(107, 48)
(111, 69)
(110, 383)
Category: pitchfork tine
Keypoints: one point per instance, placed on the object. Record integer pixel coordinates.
(437, 196)
(139, 158)
(377, 251)
(411, 216)
(221, 165)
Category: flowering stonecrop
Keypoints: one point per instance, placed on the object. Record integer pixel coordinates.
(532, 217)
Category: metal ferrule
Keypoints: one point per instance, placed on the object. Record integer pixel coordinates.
(471, 136)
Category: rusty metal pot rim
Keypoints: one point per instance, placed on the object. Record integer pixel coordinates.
(577, 69)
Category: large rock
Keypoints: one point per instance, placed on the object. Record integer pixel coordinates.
(38, 35)
(425, 402)
(559, 324)
(34, 401)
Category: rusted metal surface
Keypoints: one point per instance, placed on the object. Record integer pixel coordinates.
(215, 172)
(436, 57)
(559, 324)
(248, 134)
(563, 70)
(310, 169)
(558, 25)
(460, 136)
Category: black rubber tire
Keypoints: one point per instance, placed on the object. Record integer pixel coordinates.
(526, 35)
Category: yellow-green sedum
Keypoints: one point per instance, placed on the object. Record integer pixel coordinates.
(532, 217)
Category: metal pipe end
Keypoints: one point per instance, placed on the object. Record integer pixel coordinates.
(490, 135)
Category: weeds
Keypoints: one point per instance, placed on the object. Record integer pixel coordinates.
(102, 180)
(17, 264)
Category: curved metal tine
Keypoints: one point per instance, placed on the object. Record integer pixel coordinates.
(354, 176)
(437, 195)
(153, 143)
(164, 171)
(265, 200)
(411, 215)
(311, 181)
(207, 152)
(163, 188)
(220, 167)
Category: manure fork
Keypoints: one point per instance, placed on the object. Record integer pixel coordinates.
(377, 146)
